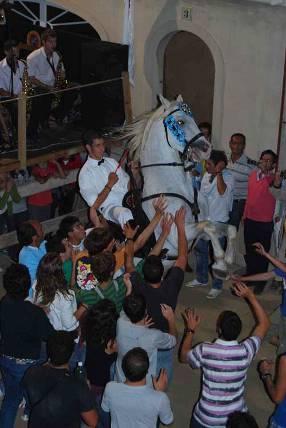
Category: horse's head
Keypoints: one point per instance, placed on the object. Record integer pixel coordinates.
(182, 132)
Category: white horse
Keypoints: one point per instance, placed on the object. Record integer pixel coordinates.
(160, 140)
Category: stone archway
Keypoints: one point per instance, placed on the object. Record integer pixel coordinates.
(155, 48)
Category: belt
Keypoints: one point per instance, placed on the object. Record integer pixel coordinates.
(19, 360)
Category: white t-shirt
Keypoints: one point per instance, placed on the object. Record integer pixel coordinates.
(213, 206)
(5, 77)
(38, 66)
(136, 406)
(131, 336)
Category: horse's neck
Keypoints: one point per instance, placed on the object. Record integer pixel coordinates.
(169, 179)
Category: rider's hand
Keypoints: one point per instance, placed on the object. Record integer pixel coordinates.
(112, 179)
(259, 248)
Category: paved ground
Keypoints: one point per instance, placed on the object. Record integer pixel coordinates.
(185, 387)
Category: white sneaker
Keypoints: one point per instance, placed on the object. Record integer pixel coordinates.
(214, 293)
(195, 283)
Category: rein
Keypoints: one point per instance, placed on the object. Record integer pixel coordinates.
(193, 206)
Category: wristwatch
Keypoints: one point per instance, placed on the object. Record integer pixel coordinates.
(265, 375)
(189, 330)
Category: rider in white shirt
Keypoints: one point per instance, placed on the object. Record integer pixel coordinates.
(103, 182)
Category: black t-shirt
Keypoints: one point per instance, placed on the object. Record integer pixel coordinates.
(56, 398)
(98, 364)
(167, 293)
(23, 326)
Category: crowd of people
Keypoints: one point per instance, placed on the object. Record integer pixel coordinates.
(88, 325)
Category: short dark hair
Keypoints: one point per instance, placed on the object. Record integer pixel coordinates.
(239, 135)
(48, 33)
(60, 346)
(66, 225)
(229, 324)
(218, 155)
(134, 306)
(103, 265)
(25, 233)
(100, 323)
(241, 420)
(135, 364)
(17, 281)
(153, 269)
(206, 125)
(91, 135)
(54, 244)
(271, 153)
(9, 44)
(97, 240)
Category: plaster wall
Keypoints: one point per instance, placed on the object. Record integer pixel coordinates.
(247, 41)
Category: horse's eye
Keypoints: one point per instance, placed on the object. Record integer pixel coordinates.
(181, 122)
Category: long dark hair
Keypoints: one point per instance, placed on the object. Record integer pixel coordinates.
(50, 279)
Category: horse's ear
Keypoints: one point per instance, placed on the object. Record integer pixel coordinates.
(165, 103)
(179, 98)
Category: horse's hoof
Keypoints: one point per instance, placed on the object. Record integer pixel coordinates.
(221, 274)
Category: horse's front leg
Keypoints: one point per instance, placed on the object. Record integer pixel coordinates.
(219, 255)
(230, 249)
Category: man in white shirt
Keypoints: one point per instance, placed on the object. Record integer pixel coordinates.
(102, 181)
(11, 71)
(44, 64)
(11, 75)
(134, 404)
(215, 202)
(133, 331)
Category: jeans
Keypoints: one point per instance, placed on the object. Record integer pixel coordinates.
(236, 214)
(202, 258)
(165, 361)
(12, 374)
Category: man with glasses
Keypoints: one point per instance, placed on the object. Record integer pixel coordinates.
(258, 214)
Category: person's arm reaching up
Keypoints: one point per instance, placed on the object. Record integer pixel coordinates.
(129, 247)
(182, 259)
(159, 205)
(166, 225)
(262, 320)
(277, 390)
(169, 315)
(191, 320)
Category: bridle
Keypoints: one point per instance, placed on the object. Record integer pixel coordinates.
(170, 123)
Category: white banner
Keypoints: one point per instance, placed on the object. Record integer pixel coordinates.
(128, 37)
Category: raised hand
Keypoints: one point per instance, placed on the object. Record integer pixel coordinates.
(259, 248)
(219, 167)
(112, 179)
(161, 382)
(265, 366)
(128, 283)
(241, 290)
(148, 322)
(160, 204)
(167, 312)
(166, 223)
(180, 217)
(191, 318)
(128, 232)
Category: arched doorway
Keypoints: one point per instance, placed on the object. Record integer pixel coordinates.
(189, 69)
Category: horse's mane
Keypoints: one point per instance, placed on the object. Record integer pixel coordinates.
(137, 132)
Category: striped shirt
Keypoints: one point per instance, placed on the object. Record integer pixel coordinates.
(240, 169)
(224, 365)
